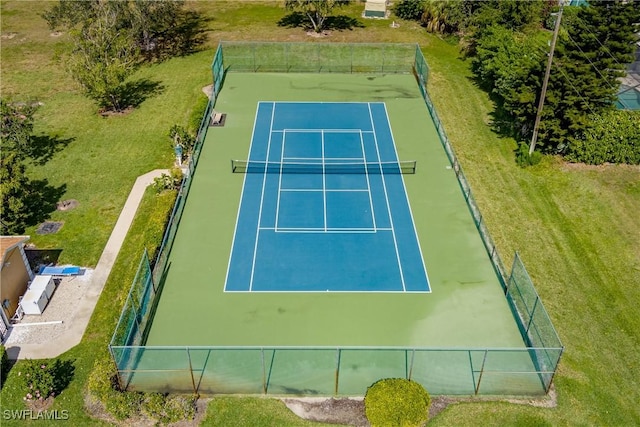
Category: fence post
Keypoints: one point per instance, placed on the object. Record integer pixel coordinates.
(337, 380)
(484, 359)
(535, 304)
(264, 372)
(413, 355)
(193, 381)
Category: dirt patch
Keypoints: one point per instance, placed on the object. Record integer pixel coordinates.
(111, 113)
(56, 34)
(598, 168)
(348, 411)
(40, 405)
(9, 36)
(319, 35)
(66, 205)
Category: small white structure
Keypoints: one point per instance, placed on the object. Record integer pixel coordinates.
(38, 295)
(375, 9)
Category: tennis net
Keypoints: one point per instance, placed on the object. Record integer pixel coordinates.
(255, 166)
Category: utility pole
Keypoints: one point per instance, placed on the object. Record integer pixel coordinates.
(556, 29)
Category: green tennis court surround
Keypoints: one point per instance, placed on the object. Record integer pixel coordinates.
(481, 330)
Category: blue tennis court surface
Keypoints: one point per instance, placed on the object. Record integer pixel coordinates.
(323, 206)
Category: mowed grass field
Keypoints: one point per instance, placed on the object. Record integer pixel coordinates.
(576, 227)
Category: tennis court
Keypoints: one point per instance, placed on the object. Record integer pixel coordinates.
(346, 183)
(323, 196)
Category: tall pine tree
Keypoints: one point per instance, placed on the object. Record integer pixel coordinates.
(592, 53)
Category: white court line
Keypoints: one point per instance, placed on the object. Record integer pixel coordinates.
(303, 230)
(318, 190)
(318, 130)
(384, 186)
(364, 158)
(317, 159)
(244, 180)
(406, 194)
(284, 141)
(264, 181)
(324, 184)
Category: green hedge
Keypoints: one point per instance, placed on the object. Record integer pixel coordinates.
(122, 405)
(613, 137)
(397, 402)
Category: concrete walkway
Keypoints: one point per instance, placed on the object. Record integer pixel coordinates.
(75, 329)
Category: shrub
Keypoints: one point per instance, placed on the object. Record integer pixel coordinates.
(613, 137)
(524, 159)
(168, 182)
(102, 385)
(182, 137)
(169, 408)
(397, 402)
(102, 380)
(409, 9)
(38, 380)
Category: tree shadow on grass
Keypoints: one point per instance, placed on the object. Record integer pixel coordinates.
(134, 93)
(187, 35)
(295, 20)
(43, 199)
(342, 22)
(336, 23)
(63, 372)
(500, 122)
(43, 147)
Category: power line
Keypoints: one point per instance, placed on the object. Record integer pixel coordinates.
(594, 66)
(586, 27)
(574, 88)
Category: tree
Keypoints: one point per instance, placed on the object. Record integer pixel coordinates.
(16, 127)
(316, 10)
(15, 137)
(590, 57)
(409, 9)
(443, 16)
(510, 64)
(159, 28)
(103, 57)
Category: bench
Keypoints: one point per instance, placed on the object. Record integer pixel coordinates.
(217, 119)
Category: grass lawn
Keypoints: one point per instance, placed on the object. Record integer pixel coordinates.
(576, 227)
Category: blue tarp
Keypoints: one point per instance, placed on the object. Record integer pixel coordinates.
(60, 271)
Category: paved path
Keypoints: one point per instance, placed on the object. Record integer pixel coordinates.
(75, 329)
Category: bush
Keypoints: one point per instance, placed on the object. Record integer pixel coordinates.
(168, 182)
(169, 408)
(524, 159)
(45, 378)
(613, 137)
(409, 9)
(103, 386)
(397, 402)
